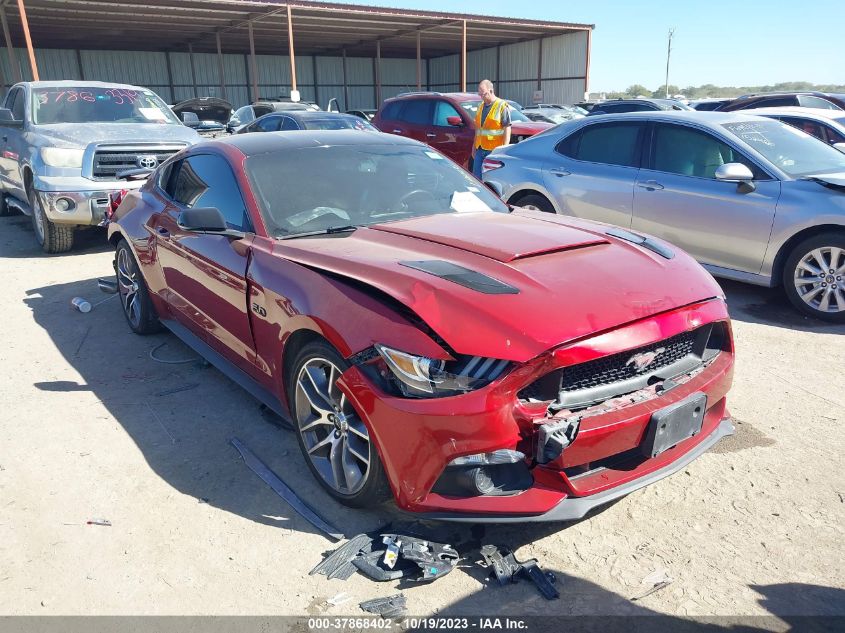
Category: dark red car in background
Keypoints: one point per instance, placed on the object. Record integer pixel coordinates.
(478, 362)
(445, 120)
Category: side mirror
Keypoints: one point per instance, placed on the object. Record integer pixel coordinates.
(840, 147)
(8, 119)
(190, 119)
(738, 173)
(455, 121)
(206, 220)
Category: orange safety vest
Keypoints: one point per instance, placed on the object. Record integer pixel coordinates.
(491, 134)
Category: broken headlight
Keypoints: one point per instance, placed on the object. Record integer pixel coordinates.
(421, 377)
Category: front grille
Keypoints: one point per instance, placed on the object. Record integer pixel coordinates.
(108, 162)
(619, 367)
(603, 378)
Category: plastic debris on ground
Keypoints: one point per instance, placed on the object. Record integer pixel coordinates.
(507, 569)
(657, 580)
(390, 607)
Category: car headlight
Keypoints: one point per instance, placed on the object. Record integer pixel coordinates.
(422, 377)
(62, 157)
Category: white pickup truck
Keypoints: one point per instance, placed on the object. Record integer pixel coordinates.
(66, 145)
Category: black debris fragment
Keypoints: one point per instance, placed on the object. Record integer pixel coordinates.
(338, 564)
(390, 607)
(507, 569)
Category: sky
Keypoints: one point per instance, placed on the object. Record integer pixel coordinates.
(750, 43)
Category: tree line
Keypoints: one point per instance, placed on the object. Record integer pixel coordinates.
(711, 90)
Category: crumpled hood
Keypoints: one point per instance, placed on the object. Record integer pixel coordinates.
(573, 279)
(80, 136)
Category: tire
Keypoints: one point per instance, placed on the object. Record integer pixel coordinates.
(134, 295)
(53, 238)
(535, 201)
(332, 436)
(813, 293)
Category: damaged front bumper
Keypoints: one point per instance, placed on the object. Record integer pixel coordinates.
(608, 455)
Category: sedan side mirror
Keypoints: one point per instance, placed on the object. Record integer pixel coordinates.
(8, 119)
(455, 121)
(840, 147)
(738, 173)
(206, 220)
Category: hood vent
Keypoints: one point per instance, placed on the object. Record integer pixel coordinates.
(462, 276)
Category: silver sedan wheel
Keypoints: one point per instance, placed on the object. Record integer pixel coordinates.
(127, 284)
(335, 439)
(820, 279)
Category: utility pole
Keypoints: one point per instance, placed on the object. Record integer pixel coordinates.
(668, 53)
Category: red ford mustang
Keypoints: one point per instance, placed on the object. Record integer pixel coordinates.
(478, 362)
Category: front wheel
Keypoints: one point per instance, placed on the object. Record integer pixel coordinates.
(53, 238)
(535, 202)
(134, 295)
(334, 440)
(814, 277)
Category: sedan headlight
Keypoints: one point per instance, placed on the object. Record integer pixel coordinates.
(62, 157)
(422, 377)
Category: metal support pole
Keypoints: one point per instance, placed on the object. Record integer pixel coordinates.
(314, 74)
(291, 53)
(587, 69)
(253, 70)
(13, 59)
(28, 38)
(193, 69)
(498, 64)
(464, 57)
(427, 74)
(540, 65)
(345, 84)
(170, 77)
(378, 73)
(419, 64)
(79, 63)
(221, 71)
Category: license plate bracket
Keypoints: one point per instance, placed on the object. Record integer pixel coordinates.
(674, 424)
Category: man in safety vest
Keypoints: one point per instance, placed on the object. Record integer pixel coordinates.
(492, 125)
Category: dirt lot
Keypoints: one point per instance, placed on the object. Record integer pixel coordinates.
(92, 428)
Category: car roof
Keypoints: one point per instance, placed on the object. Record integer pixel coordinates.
(806, 113)
(692, 116)
(251, 144)
(311, 114)
(68, 83)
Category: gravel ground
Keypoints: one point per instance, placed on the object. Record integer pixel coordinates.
(92, 428)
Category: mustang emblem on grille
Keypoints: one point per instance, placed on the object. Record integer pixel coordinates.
(147, 162)
(644, 359)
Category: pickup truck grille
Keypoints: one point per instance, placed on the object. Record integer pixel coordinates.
(109, 161)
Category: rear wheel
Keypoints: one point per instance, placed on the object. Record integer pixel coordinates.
(134, 296)
(814, 277)
(53, 238)
(334, 440)
(535, 202)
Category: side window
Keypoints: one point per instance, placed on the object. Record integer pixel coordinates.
(289, 124)
(391, 111)
(417, 111)
(206, 180)
(18, 103)
(773, 102)
(442, 111)
(687, 152)
(245, 114)
(833, 136)
(261, 110)
(809, 101)
(610, 144)
(268, 124)
(805, 125)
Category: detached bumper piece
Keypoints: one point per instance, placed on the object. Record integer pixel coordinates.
(509, 570)
(390, 607)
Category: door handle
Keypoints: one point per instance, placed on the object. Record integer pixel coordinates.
(650, 185)
(559, 172)
(430, 135)
(397, 131)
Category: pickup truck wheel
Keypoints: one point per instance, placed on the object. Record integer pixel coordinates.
(334, 440)
(53, 238)
(814, 277)
(134, 296)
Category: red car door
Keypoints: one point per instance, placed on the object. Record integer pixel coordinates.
(415, 118)
(205, 274)
(453, 140)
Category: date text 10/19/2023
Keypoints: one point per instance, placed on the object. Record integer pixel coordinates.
(422, 623)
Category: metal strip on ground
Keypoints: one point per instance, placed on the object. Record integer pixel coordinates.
(284, 491)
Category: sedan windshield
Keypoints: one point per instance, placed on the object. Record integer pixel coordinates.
(327, 187)
(791, 150)
(99, 105)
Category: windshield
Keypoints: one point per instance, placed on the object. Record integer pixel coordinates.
(99, 105)
(472, 108)
(794, 152)
(336, 123)
(358, 185)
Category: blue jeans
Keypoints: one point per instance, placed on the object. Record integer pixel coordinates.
(480, 155)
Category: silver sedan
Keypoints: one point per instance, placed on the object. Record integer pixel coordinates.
(751, 198)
